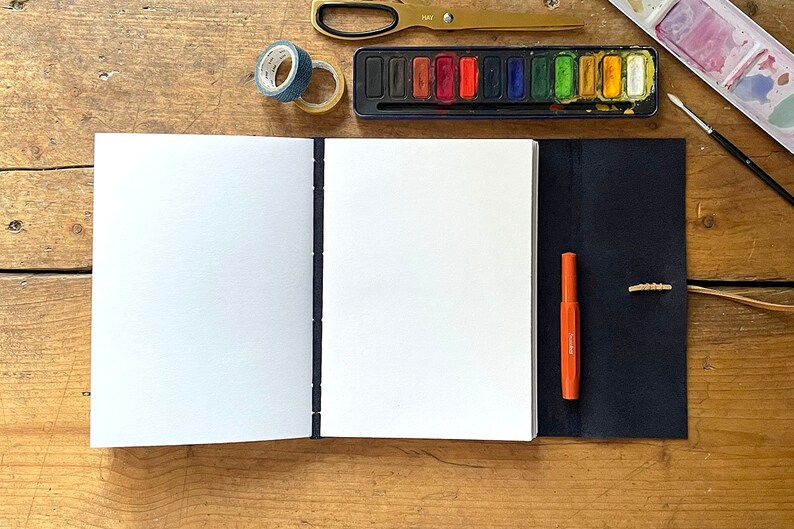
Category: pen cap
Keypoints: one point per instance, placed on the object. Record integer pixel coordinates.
(569, 277)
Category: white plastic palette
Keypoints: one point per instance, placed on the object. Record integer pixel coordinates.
(730, 52)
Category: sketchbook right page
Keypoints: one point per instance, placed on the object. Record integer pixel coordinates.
(427, 295)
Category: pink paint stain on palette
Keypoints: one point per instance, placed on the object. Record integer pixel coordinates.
(730, 52)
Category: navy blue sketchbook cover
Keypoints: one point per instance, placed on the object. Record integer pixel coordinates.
(619, 204)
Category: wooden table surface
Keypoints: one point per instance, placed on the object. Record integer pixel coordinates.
(70, 68)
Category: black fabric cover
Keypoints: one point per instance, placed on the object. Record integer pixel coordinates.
(619, 205)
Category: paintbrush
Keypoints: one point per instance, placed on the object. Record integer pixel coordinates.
(731, 148)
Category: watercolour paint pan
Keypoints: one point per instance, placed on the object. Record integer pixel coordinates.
(729, 51)
(505, 82)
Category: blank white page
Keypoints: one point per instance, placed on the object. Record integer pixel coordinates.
(202, 289)
(427, 298)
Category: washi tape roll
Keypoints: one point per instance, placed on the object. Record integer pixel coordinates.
(298, 78)
(336, 97)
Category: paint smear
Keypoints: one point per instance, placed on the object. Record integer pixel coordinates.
(421, 73)
(635, 76)
(469, 77)
(767, 64)
(587, 76)
(754, 88)
(699, 33)
(783, 114)
(783, 79)
(445, 78)
(540, 78)
(644, 9)
(492, 77)
(637, 5)
(611, 75)
(515, 78)
(563, 76)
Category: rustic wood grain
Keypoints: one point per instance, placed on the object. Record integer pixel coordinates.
(70, 69)
(734, 231)
(46, 219)
(736, 470)
(185, 65)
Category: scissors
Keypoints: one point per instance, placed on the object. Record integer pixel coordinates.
(413, 13)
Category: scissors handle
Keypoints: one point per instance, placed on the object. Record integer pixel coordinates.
(411, 13)
(321, 7)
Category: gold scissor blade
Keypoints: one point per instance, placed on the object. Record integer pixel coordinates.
(504, 21)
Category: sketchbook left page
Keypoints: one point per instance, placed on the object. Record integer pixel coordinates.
(202, 289)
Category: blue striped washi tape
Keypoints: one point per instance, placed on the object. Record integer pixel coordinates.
(299, 76)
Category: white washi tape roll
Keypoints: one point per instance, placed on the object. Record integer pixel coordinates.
(298, 78)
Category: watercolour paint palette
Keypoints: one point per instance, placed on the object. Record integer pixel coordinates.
(730, 52)
(505, 82)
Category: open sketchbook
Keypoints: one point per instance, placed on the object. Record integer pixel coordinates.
(250, 288)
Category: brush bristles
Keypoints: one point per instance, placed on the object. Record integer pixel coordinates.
(702, 124)
(677, 102)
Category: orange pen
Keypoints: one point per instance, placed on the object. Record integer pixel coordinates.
(569, 329)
